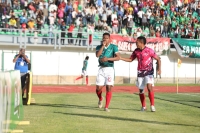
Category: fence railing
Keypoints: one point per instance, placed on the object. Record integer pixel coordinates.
(56, 38)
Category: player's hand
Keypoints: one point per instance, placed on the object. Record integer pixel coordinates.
(104, 59)
(104, 43)
(158, 72)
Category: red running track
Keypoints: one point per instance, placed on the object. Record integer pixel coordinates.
(126, 89)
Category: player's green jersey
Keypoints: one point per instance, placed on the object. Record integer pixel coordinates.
(108, 52)
(85, 63)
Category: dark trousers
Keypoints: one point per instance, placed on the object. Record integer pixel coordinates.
(70, 41)
(23, 80)
(63, 38)
(79, 36)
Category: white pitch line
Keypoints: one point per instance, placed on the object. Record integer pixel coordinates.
(189, 94)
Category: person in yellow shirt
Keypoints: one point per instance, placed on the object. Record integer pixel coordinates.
(130, 9)
(12, 22)
(31, 24)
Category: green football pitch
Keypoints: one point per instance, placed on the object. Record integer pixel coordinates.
(78, 113)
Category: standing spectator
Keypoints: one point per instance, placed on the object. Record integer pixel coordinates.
(45, 14)
(115, 24)
(74, 13)
(144, 21)
(79, 35)
(70, 30)
(63, 29)
(130, 26)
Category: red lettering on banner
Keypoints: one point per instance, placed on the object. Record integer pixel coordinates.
(127, 44)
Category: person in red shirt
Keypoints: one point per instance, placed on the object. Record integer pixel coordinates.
(70, 30)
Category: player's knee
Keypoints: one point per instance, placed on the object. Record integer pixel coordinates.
(141, 91)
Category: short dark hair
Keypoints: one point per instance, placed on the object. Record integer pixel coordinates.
(87, 57)
(142, 39)
(106, 34)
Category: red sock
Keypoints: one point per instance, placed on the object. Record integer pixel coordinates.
(142, 99)
(108, 98)
(99, 94)
(151, 98)
(87, 80)
(78, 78)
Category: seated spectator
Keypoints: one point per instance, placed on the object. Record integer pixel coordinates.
(31, 24)
(12, 22)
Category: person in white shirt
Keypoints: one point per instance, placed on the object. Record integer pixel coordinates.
(140, 14)
(74, 13)
(113, 16)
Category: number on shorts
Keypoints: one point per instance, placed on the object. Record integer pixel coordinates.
(109, 79)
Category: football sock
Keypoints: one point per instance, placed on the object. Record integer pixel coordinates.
(78, 78)
(99, 94)
(108, 98)
(142, 99)
(87, 80)
(151, 98)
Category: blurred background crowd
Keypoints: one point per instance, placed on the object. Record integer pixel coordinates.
(150, 18)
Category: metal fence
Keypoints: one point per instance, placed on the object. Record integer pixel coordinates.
(46, 37)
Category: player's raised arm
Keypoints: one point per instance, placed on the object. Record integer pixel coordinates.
(100, 48)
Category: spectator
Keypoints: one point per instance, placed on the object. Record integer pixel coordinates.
(70, 30)
(130, 26)
(31, 24)
(21, 63)
(63, 29)
(79, 35)
(115, 24)
(12, 22)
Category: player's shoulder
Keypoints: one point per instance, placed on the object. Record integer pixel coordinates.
(113, 45)
(98, 47)
(149, 49)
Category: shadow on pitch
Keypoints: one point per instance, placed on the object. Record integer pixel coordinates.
(178, 101)
(124, 119)
(75, 106)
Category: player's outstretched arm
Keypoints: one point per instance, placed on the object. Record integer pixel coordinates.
(126, 59)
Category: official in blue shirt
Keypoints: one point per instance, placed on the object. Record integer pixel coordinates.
(21, 63)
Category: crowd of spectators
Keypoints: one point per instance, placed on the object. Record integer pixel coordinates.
(152, 18)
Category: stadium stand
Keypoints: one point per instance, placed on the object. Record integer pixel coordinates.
(150, 18)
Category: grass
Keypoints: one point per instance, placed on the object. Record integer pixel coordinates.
(78, 113)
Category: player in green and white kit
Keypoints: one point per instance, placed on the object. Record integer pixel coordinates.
(107, 53)
(84, 70)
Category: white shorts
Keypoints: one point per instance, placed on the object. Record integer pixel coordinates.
(84, 73)
(142, 81)
(105, 76)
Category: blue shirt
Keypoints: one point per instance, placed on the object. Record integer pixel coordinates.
(21, 64)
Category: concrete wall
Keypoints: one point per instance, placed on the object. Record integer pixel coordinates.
(57, 67)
